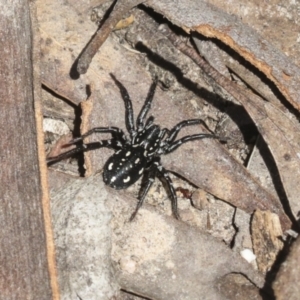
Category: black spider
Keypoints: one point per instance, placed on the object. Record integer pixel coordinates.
(140, 154)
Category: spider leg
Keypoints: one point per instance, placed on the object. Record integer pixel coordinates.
(115, 131)
(175, 130)
(171, 147)
(129, 118)
(164, 174)
(147, 105)
(85, 147)
(149, 178)
(160, 149)
(149, 122)
(155, 168)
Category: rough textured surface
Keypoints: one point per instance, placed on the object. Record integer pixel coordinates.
(187, 96)
(170, 260)
(276, 20)
(23, 254)
(174, 261)
(83, 240)
(286, 284)
(244, 40)
(266, 230)
(230, 287)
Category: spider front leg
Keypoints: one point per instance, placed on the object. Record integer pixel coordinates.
(175, 130)
(129, 118)
(114, 144)
(173, 146)
(169, 144)
(147, 105)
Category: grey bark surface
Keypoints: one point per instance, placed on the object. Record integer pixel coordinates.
(83, 240)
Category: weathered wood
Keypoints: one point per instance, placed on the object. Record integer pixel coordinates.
(23, 254)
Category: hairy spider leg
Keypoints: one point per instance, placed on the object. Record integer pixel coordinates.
(113, 144)
(172, 147)
(147, 105)
(129, 117)
(115, 132)
(162, 133)
(149, 122)
(175, 130)
(163, 173)
(149, 178)
(155, 168)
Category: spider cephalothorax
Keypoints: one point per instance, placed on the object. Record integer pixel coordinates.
(140, 154)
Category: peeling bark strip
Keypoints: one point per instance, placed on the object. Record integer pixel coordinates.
(238, 93)
(23, 255)
(120, 9)
(212, 22)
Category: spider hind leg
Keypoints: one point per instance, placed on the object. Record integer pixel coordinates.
(148, 180)
(156, 169)
(164, 174)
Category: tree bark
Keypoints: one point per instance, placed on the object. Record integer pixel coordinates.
(24, 270)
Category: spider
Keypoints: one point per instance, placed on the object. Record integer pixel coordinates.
(140, 154)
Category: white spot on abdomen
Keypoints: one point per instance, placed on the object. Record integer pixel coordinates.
(113, 179)
(141, 171)
(110, 166)
(137, 160)
(126, 179)
(128, 153)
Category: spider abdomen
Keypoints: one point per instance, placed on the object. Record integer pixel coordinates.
(125, 167)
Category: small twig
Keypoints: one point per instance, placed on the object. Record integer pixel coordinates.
(120, 9)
